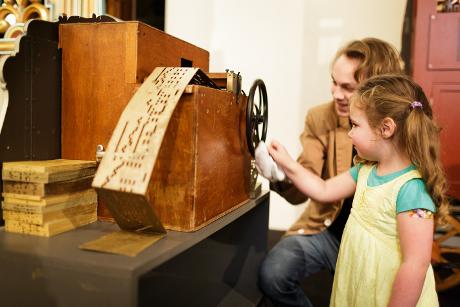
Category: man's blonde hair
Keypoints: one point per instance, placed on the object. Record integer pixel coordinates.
(376, 57)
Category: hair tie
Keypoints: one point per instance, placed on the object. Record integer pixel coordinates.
(416, 104)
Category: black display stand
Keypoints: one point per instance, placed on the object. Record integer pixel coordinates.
(214, 266)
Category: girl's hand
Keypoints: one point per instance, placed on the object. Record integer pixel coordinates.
(265, 164)
(280, 155)
(313, 186)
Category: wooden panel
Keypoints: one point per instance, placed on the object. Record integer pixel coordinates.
(102, 65)
(156, 48)
(172, 185)
(444, 28)
(31, 128)
(436, 56)
(446, 105)
(223, 159)
(94, 87)
(202, 170)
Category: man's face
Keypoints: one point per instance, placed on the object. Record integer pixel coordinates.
(343, 83)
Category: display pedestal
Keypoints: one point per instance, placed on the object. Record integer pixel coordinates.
(216, 265)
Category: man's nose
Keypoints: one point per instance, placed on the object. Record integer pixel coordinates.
(337, 93)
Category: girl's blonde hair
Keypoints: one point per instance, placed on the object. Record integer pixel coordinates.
(398, 97)
(375, 56)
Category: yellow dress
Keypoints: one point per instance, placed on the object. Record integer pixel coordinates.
(369, 255)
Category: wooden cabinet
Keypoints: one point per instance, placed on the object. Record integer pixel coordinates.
(436, 67)
(102, 66)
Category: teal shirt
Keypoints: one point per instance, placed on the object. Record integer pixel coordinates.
(412, 195)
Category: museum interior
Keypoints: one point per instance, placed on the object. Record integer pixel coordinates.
(131, 131)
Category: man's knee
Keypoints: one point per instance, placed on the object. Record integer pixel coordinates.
(280, 266)
(271, 278)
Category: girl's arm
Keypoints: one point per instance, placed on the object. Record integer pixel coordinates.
(333, 189)
(416, 239)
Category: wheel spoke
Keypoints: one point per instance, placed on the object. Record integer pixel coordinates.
(257, 110)
(256, 132)
(260, 96)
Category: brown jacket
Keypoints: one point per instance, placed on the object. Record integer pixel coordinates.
(327, 151)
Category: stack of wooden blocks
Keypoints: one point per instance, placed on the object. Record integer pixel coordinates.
(48, 197)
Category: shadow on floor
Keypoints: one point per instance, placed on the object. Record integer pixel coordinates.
(318, 286)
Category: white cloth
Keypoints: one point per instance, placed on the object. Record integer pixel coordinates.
(265, 164)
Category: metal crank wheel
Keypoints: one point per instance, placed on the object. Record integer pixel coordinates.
(256, 115)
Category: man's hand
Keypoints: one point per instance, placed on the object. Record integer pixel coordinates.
(266, 166)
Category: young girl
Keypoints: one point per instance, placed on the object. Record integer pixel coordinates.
(398, 182)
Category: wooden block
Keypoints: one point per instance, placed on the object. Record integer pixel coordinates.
(52, 228)
(40, 190)
(47, 171)
(18, 202)
(49, 216)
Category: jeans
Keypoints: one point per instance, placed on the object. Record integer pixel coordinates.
(290, 261)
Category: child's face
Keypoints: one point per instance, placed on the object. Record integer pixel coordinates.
(365, 139)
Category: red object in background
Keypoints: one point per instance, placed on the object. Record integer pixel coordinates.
(436, 67)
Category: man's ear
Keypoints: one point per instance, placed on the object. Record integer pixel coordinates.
(387, 127)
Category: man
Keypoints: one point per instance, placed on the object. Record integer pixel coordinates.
(312, 243)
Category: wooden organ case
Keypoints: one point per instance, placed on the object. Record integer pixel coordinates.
(204, 157)
(102, 66)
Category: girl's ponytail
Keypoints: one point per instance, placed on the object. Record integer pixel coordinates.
(421, 138)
